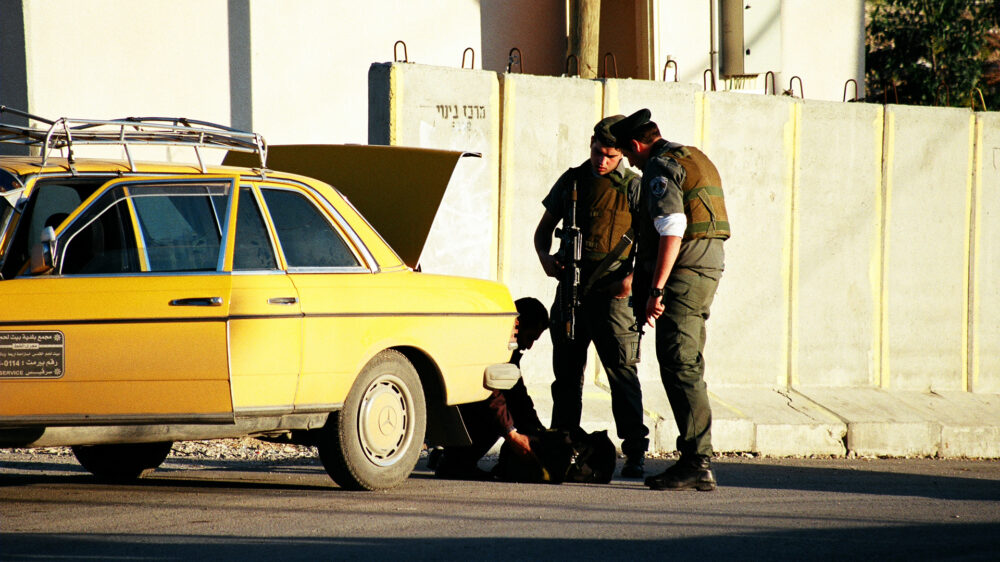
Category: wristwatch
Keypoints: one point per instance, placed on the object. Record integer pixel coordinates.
(657, 292)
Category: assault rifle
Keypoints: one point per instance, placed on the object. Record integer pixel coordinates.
(570, 254)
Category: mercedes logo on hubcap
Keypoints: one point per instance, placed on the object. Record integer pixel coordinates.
(387, 420)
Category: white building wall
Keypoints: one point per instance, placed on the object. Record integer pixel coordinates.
(311, 58)
(116, 58)
(306, 61)
(822, 43)
(296, 70)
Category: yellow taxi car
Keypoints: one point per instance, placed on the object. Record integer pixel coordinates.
(147, 303)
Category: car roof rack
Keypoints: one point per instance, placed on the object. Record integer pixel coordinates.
(66, 132)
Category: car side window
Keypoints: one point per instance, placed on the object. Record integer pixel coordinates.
(307, 237)
(105, 243)
(180, 229)
(181, 232)
(253, 248)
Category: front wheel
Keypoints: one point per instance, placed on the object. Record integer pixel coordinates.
(124, 462)
(374, 442)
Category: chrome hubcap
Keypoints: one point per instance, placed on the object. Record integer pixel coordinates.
(384, 420)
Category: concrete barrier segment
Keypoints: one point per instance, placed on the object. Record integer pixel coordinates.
(926, 245)
(751, 140)
(984, 373)
(451, 109)
(546, 125)
(836, 244)
(675, 107)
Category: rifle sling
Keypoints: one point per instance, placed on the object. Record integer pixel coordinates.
(613, 255)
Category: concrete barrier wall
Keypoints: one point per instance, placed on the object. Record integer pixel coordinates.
(837, 228)
(927, 185)
(859, 300)
(803, 301)
(751, 140)
(447, 108)
(985, 375)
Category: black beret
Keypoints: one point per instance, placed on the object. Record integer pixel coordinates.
(602, 130)
(622, 130)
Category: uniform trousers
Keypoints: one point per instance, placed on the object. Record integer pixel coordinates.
(680, 341)
(608, 322)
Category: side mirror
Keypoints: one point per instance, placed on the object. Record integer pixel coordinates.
(45, 253)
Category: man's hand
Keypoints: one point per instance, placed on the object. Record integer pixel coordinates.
(551, 265)
(654, 308)
(520, 442)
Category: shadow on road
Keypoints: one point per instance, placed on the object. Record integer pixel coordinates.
(214, 473)
(950, 541)
(855, 481)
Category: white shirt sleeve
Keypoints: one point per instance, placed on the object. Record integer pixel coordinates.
(673, 224)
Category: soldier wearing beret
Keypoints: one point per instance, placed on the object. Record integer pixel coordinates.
(607, 196)
(678, 268)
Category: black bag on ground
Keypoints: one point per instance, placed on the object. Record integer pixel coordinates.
(560, 456)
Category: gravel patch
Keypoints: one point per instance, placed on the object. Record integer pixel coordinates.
(246, 448)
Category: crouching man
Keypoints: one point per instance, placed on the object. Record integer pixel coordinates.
(509, 414)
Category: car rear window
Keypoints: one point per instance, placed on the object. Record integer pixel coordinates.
(306, 236)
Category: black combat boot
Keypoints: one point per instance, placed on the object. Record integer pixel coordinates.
(692, 472)
(633, 466)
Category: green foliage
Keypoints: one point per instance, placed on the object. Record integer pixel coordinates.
(931, 52)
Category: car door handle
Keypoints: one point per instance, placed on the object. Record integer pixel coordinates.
(197, 301)
(282, 300)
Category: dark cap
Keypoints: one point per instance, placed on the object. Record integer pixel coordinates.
(622, 130)
(602, 130)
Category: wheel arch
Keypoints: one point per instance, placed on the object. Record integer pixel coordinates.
(444, 422)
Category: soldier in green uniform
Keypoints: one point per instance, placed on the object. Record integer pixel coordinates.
(607, 196)
(679, 264)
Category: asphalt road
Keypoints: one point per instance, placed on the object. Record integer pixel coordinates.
(196, 508)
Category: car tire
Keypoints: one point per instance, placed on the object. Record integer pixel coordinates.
(117, 463)
(374, 442)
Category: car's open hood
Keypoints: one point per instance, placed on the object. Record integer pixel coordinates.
(398, 189)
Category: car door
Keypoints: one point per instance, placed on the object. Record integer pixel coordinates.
(265, 328)
(131, 324)
(330, 277)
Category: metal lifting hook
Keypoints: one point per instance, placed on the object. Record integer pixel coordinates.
(666, 66)
(395, 52)
(613, 61)
(850, 81)
(511, 59)
(575, 59)
(704, 81)
(473, 52)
